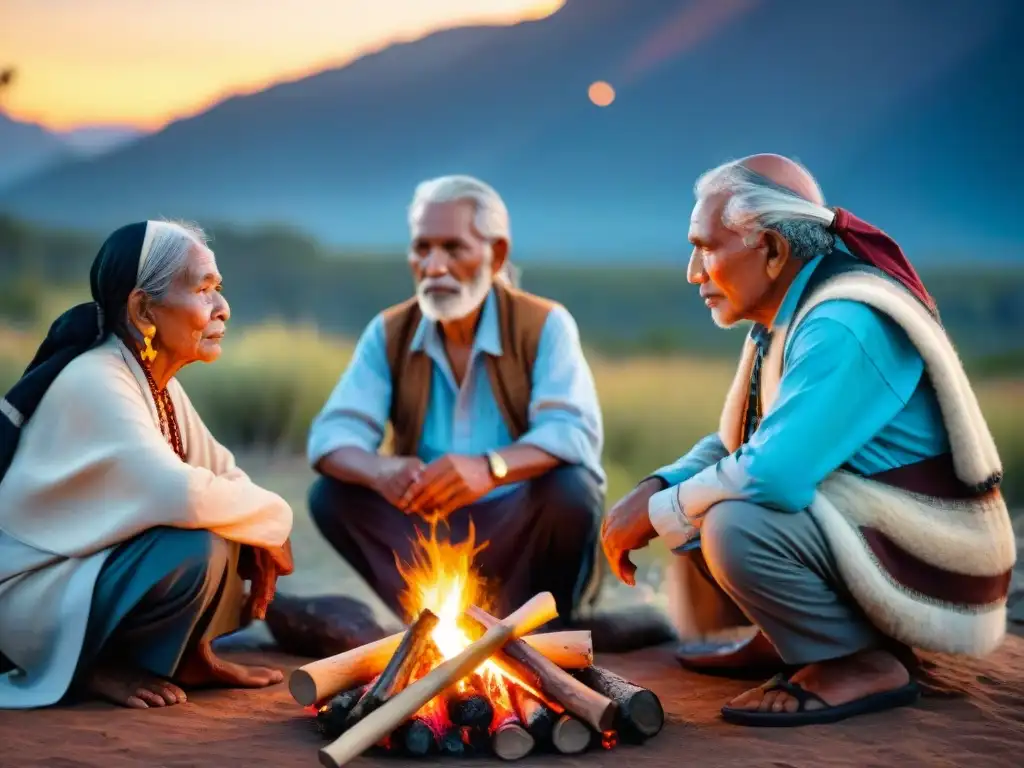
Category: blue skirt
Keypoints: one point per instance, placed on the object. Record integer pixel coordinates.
(156, 595)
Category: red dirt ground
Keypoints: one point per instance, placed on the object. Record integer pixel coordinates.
(972, 715)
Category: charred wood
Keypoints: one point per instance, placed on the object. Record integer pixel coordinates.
(332, 717)
(587, 704)
(400, 668)
(639, 715)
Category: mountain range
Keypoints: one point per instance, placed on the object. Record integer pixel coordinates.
(26, 149)
(905, 111)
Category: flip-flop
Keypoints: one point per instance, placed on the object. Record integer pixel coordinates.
(875, 702)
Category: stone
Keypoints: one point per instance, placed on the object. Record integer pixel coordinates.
(623, 629)
(323, 626)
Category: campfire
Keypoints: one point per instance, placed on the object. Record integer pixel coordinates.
(460, 682)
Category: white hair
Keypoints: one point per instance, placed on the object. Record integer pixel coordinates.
(756, 203)
(165, 253)
(490, 217)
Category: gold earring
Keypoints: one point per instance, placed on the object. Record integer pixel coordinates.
(149, 354)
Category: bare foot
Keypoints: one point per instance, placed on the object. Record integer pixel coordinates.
(134, 689)
(204, 668)
(838, 681)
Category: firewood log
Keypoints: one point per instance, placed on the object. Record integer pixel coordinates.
(452, 744)
(332, 717)
(537, 719)
(639, 715)
(398, 671)
(318, 681)
(570, 735)
(364, 734)
(414, 738)
(511, 741)
(590, 706)
(516, 669)
(569, 649)
(471, 709)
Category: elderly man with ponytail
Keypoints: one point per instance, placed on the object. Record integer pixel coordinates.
(495, 419)
(126, 530)
(848, 506)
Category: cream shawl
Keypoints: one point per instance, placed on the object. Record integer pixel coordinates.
(92, 470)
(940, 582)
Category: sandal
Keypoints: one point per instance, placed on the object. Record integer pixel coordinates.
(875, 702)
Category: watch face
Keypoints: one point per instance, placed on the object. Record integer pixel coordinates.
(498, 467)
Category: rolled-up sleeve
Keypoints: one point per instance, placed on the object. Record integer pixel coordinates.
(832, 400)
(665, 514)
(706, 452)
(356, 413)
(565, 416)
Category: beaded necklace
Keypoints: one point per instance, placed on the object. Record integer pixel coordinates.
(165, 410)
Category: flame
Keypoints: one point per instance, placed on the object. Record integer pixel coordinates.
(441, 578)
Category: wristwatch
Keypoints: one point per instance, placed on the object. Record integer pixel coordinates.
(497, 465)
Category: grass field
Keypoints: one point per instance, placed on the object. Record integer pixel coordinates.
(272, 379)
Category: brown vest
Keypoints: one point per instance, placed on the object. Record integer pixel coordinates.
(521, 318)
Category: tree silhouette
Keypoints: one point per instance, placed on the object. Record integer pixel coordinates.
(6, 78)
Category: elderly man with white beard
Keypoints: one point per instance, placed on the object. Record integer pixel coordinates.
(495, 418)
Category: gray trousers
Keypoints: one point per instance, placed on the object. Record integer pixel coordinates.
(776, 571)
(157, 594)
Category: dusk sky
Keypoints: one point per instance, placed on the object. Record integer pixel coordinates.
(85, 62)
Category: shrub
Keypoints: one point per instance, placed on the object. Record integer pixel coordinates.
(268, 386)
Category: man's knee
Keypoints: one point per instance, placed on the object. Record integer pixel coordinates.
(572, 493)
(735, 537)
(327, 498)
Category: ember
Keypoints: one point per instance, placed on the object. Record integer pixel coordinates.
(460, 682)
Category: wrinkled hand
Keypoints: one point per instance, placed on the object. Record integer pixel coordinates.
(627, 527)
(395, 476)
(261, 568)
(447, 484)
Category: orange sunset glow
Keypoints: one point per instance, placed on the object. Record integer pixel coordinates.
(147, 63)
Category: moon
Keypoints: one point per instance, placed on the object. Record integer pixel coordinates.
(601, 93)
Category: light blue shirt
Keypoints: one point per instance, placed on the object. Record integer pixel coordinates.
(564, 415)
(853, 392)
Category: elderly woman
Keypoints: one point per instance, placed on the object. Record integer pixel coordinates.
(126, 530)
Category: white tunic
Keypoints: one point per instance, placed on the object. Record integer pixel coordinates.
(91, 471)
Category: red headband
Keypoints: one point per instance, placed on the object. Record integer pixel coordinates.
(873, 246)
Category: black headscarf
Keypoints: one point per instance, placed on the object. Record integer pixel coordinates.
(112, 278)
